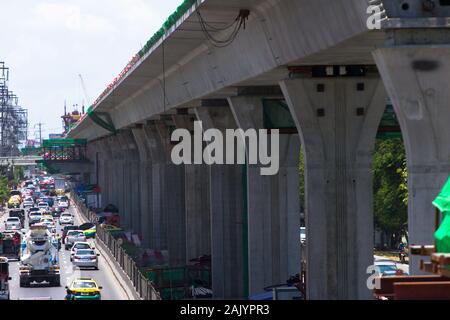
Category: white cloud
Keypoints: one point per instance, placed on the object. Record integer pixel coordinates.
(49, 42)
(70, 17)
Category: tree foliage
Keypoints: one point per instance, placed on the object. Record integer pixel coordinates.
(390, 187)
(4, 189)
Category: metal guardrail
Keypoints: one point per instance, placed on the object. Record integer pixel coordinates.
(143, 286)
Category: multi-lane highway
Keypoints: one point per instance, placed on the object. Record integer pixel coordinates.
(112, 289)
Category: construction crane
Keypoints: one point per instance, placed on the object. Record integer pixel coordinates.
(84, 91)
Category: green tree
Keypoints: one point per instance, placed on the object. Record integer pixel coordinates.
(390, 189)
(4, 189)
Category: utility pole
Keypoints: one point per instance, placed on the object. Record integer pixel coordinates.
(40, 132)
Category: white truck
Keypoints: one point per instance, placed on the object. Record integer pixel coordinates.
(39, 261)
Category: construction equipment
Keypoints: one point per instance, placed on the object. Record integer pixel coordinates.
(39, 257)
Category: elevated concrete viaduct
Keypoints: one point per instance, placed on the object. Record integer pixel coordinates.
(335, 75)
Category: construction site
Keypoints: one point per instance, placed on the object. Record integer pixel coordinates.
(13, 118)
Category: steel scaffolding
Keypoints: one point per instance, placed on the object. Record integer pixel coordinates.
(13, 118)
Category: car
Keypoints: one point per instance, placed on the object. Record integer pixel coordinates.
(28, 203)
(66, 218)
(85, 258)
(89, 229)
(35, 217)
(302, 235)
(56, 212)
(72, 237)
(63, 204)
(43, 205)
(77, 246)
(388, 268)
(49, 201)
(83, 289)
(33, 209)
(110, 227)
(47, 215)
(13, 222)
(66, 230)
(48, 222)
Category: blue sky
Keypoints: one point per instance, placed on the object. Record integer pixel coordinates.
(46, 44)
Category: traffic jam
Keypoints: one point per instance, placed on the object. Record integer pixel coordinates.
(42, 248)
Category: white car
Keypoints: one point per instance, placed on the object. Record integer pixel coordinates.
(78, 246)
(72, 237)
(28, 203)
(85, 258)
(66, 218)
(302, 235)
(43, 205)
(389, 268)
(35, 216)
(63, 204)
(10, 223)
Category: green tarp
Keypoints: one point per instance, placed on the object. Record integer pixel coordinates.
(442, 235)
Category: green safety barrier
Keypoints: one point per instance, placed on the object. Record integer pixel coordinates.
(109, 126)
(64, 143)
(169, 23)
(276, 115)
(442, 235)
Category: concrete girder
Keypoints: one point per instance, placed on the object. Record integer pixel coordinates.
(281, 34)
(417, 79)
(273, 205)
(338, 142)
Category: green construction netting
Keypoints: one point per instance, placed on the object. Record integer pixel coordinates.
(99, 121)
(181, 10)
(63, 143)
(442, 235)
(389, 127)
(442, 202)
(277, 115)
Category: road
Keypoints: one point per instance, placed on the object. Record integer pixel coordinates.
(112, 289)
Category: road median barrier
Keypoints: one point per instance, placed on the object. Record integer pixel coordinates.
(139, 287)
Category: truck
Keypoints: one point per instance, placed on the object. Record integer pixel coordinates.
(4, 278)
(10, 244)
(60, 183)
(39, 260)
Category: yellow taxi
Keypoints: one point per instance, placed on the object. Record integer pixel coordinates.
(83, 289)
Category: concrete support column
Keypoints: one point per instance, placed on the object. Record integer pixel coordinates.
(338, 120)
(273, 205)
(131, 180)
(91, 154)
(105, 169)
(145, 186)
(197, 204)
(116, 177)
(229, 272)
(417, 79)
(168, 202)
